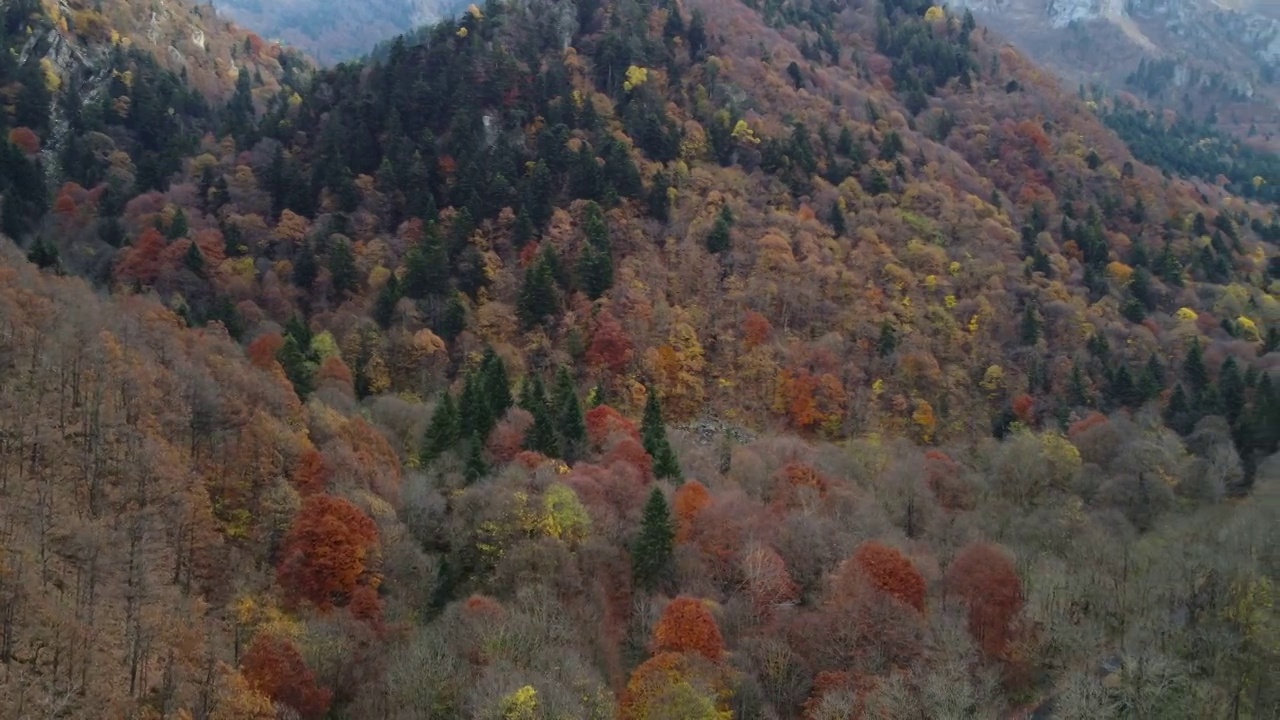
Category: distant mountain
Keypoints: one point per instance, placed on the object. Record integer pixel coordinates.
(333, 32)
(1210, 59)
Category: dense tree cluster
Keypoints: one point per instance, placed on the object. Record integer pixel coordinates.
(603, 360)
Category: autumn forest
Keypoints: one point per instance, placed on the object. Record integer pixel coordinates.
(636, 359)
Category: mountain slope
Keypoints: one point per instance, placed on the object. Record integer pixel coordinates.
(647, 360)
(1202, 58)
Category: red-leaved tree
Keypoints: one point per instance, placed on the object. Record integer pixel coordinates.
(984, 578)
(325, 551)
(274, 667)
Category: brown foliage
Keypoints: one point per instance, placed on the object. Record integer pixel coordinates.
(690, 499)
(325, 552)
(262, 351)
(311, 476)
(610, 347)
(26, 140)
(687, 626)
(274, 667)
(983, 576)
(603, 423)
(888, 570)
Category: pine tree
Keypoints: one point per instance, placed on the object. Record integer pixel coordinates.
(1178, 414)
(1152, 380)
(659, 202)
(475, 469)
(305, 269)
(888, 341)
(497, 386)
(296, 367)
(1030, 327)
(595, 266)
(193, 260)
(653, 433)
(837, 220)
(1123, 389)
(537, 298)
(1231, 387)
(342, 266)
(476, 417)
(719, 240)
(443, 431)
(1193, 368)
(568, 416)
(178, 227)
(384, 307)
(651, 555)
(1077, 390)
(542, 437)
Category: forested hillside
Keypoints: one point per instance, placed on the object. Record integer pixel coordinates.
(633, 359)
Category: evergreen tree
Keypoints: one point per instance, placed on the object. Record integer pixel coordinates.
(193, 260)
(1123, 389)
(568, 416)
(178, 227)
(1231, 388)
(476, 417)
(1152, 380)
(296, 367)
(342, 266)
(653, 551)
(44, 254)
(888, 341)
(653, 433)
(1178, 414)
(1077, 390)
(719, 240)
(537, 299)
(385, 306)
(542, 437)
(837, 219)
(1030, 326)
(659, 203)
(475, 469)
(497, 386)
(443, 431)
(595, 266)
(1193, 368)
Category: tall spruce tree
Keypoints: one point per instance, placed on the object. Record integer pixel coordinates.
(1193, 368)
(653, 433)
(651, 555)
(442, 432)
(537, 298)
(497, 386)
(542, 437)
(475, 468)
(568, 416)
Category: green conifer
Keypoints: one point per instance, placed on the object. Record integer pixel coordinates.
(653, 433)
(476, 468)
(651, 555)
(442, 432)
(568, 416)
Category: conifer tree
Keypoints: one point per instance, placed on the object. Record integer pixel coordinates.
(568, 416)
(342, 266)
(1178, 414)
(658, 201)
(1030, 327)
(719, 240)
(1231, 388)
(476, 417)
(888, 341)
(442, 432)
(385, 306)
(542, 437)
(296, 367)
(651, 555)
(837, 220)
(497, 386)
(1193, 368)
(1152, 380)
(475, 468)
(653, 433)
(537, 298)
(595, 266)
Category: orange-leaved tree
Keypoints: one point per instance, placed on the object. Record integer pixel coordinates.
(274, 667)
(687, 626)
(888, 570)
(325, 551)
